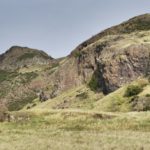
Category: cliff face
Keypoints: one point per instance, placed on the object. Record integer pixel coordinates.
(117, 55)
(123, 67)
(105, 62)
(115, 66)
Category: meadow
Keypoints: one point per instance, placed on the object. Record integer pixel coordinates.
(75, 130)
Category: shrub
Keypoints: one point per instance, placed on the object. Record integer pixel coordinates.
(100, 47)
(83, 95)
(133, 90)
(147, 95)
(19, 103)
(26, 56)
(54, 65)
(6, 75)
(28, 77)
(77, 54)
(93, 84)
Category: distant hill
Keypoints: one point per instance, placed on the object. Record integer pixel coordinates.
(17, 57)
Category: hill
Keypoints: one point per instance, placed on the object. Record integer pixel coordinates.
(18, 57)
(101, 65)
(21, 75)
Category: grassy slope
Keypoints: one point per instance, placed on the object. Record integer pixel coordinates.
(116, 101)
(81, 97)
(76, 130)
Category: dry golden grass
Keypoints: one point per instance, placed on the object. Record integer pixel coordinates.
(76, 130)
(81, 98)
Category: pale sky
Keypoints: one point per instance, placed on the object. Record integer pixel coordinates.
(58, 26)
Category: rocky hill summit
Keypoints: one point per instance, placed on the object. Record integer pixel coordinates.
(104, 63)
(17, 57)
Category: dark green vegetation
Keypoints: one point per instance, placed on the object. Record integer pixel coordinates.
(77, 54)
(27, 96)
(27, 56)
(140, 23)
(18, 104)
(7, 75)
(94, 83)
(82, 96)
(10, 81)
(54, 65)
(27, 77)
(31, 55)
(133, 90)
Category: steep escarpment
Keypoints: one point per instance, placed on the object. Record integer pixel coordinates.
(116, 64)
(124, 67)
(115, 56)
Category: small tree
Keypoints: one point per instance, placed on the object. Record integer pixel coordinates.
(94, 84)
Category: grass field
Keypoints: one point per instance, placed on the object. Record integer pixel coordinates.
(75, 130)
(79, 119)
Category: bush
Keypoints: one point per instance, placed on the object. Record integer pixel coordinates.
(6, 75)
(133, 90)
(147, 95)
(19, 103)
(54, 65)
(28, 77)
(77, 54)
(100, 47)
(94, 84)
(83, 95)
(26, 56)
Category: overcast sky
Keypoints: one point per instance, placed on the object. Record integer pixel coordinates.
(58, 26)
